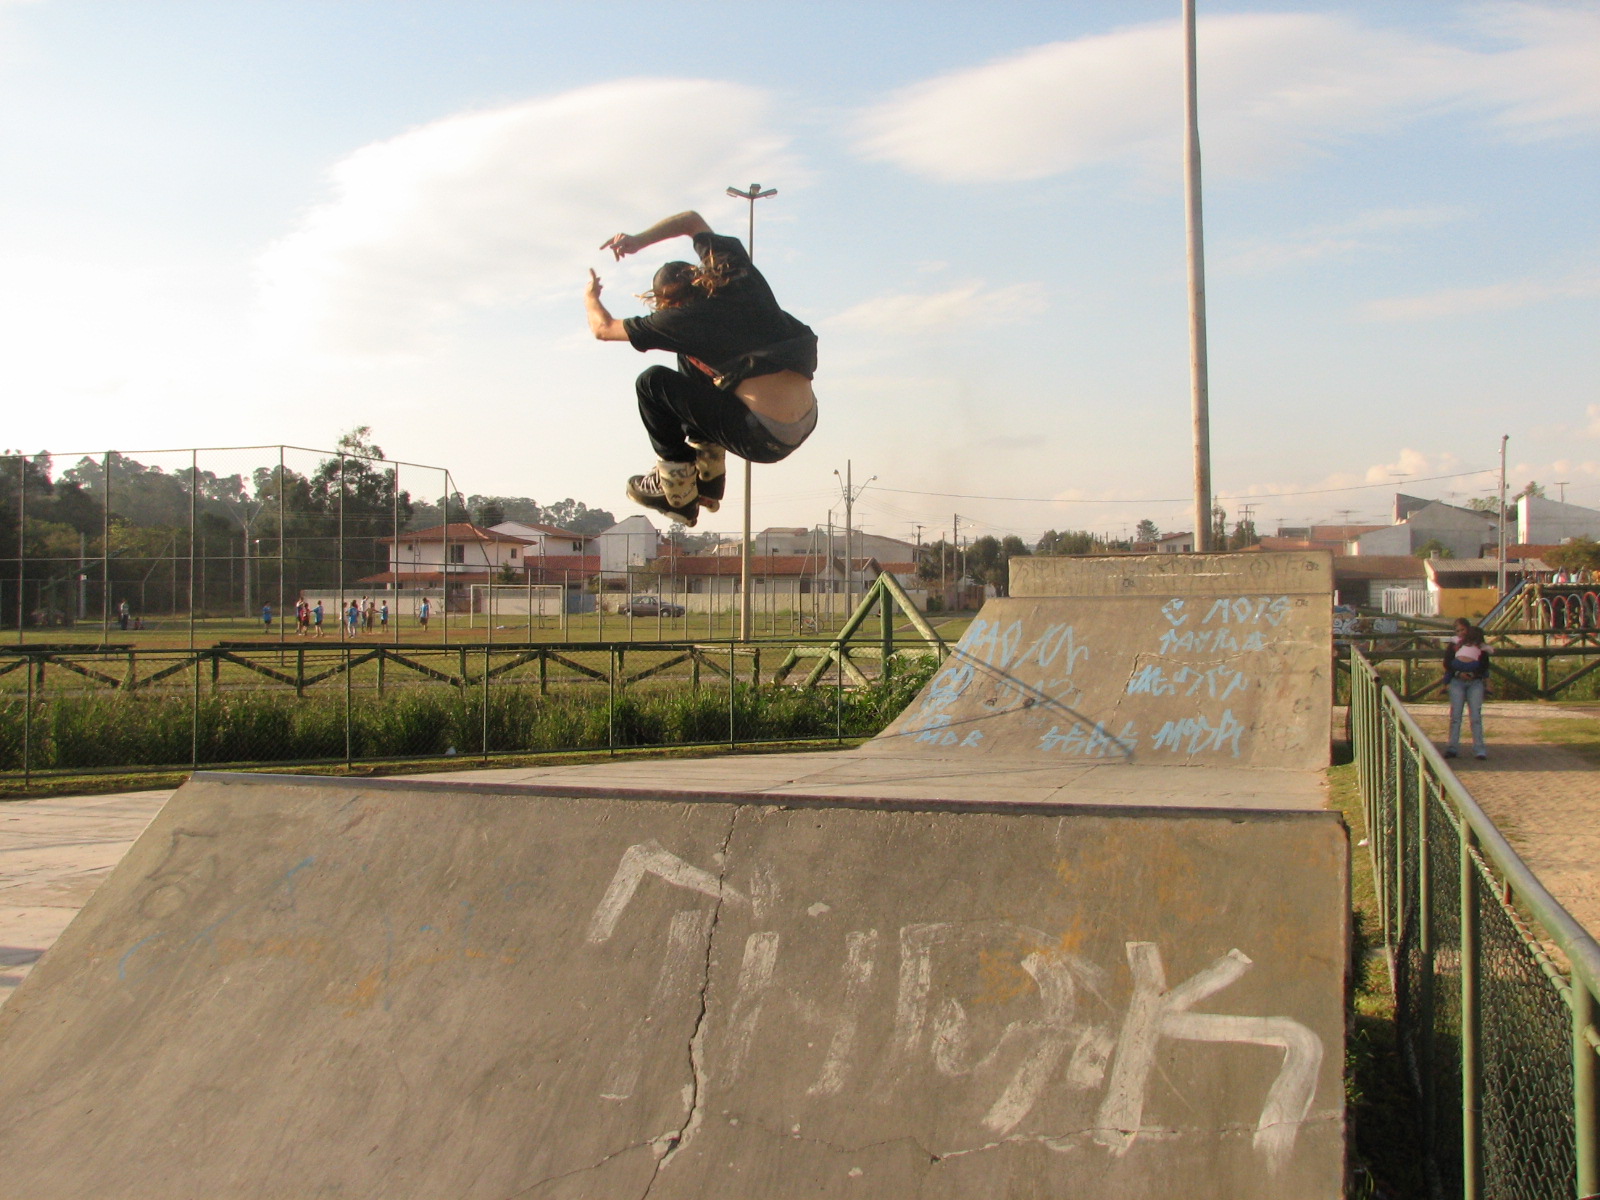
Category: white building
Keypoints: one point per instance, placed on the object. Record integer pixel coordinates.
(546, 540)
(1464, 532)
(633, 542)
(422, 557)
(1542, 522)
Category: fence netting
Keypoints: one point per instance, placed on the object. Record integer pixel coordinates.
(1485, 991)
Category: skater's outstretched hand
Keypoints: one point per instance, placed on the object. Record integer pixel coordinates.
(601, 323)
(623, 244)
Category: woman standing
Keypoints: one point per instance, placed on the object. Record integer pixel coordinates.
(1466, 670)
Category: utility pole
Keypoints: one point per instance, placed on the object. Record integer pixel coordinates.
(755, 193)
(955, 551)
(1199, 386)
(850, 494)
(1500, 574)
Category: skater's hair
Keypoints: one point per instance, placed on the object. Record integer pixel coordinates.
(677, 283)
(1473, 636)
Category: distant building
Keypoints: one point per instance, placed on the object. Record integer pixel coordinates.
(464, 552)
(545, 539)
(630, 543)
(1543, 522)
(1463, 532)
(1176, 543)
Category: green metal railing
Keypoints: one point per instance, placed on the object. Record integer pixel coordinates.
(1495, 983)
(73, 710)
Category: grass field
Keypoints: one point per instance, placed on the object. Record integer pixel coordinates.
(174, 633)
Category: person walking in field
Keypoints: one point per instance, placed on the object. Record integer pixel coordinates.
(745, 366)
(316, 617)
(423, 611)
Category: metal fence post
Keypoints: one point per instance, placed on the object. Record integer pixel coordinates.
(485, 702)
(733, 678)
(194, 717)
(27, 729)
(1424, 1016)
(1585, 1087)
(1471, 1025)
(348, 684)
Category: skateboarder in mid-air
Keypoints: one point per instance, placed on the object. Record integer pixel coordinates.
(745, 366)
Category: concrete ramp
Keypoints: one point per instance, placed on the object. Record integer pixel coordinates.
(295, 988)
(1219, 660)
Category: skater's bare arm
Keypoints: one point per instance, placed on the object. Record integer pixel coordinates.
(601, 323)
(685, 224)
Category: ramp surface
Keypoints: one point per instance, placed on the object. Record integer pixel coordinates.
(1151, 660)
(293, 988)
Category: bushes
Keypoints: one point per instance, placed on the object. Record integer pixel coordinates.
(114, 729)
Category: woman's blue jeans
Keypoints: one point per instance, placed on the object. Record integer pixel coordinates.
(1468, 692)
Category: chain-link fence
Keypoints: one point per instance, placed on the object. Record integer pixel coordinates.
(75, 710)
(198, 545)
(1495, 983)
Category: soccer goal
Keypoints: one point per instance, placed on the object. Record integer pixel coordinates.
(512, 606)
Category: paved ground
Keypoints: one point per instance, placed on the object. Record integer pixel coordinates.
(1545, 798)
(53, 854)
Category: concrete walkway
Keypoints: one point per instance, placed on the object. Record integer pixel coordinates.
(53, 854)
(1545, 798)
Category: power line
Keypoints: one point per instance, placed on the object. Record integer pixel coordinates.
(1360, 487)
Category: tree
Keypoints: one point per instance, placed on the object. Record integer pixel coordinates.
(1146, 531)
(490, 512)
(578, 517)
(1243, 535)
(1219, 527)
(1434, 548)
(1531, 488)
(1069, 541)
(1580, 554)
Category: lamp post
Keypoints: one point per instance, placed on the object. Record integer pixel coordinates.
(755, 193)
(1199, 387)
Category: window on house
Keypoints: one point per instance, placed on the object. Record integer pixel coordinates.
(458, 554)
(513, 553)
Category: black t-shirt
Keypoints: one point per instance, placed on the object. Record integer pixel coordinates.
(737, 332)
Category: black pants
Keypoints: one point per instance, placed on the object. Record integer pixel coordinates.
(676, 407)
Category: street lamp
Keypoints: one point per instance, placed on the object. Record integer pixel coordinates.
(755, 193)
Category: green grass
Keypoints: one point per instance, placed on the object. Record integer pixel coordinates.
(171, 633)
(1579, 734)
(1383, 1110)
(115, 730)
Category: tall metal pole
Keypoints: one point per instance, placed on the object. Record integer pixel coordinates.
(22, 552)
(1198, 385)
(755, 193)
(1500, 576)
(105, 557)
(194, 530)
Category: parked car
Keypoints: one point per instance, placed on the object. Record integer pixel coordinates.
(650, 606)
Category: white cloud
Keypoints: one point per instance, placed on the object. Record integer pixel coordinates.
(1365, 233)
(490, 208)
(1274, 88)
(1494, 297)
(1593, 428)
(969, 304)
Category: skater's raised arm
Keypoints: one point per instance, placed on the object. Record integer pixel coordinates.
(601, 323)
(685, 224)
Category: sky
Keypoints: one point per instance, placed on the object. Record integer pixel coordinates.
(230, 223)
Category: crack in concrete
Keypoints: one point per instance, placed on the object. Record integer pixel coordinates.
(667, 1145)
(594, 1166)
